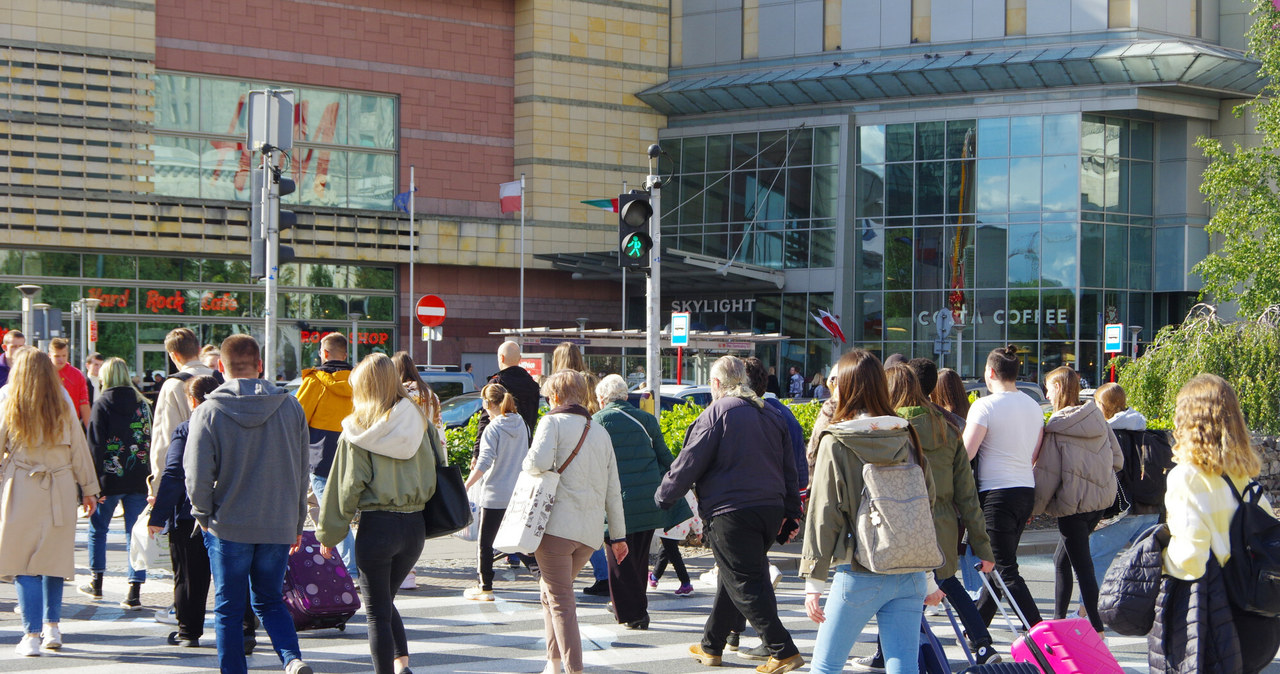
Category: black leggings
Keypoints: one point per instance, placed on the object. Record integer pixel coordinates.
(388, 546)
(1073, 554)
(1006, 512)
(490, 520)
(670, 552)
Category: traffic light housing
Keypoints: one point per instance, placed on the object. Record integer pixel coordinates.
(634, 242)
(285, 218)
(257, 244)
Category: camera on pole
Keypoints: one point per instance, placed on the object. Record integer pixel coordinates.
(634, 242)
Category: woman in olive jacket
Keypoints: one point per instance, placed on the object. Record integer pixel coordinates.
(864, 429)
(1075, 481)
(642, 459)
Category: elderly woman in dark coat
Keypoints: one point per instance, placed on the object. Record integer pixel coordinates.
(642, 459)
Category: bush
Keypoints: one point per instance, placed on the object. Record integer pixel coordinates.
(674, 423)
(460, 441)
(806, 413)
(1245, 353)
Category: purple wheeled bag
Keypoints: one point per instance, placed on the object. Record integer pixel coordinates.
(318, 591)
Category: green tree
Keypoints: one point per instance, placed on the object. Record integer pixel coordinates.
(1241, 184)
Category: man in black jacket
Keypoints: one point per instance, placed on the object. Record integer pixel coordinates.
(519, 384)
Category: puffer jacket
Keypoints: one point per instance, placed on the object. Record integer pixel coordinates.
(835, 492)
(1131, 588)
(1075, 472)
(955, 493)
(642, 459)
(325, 395)
(1194, 630)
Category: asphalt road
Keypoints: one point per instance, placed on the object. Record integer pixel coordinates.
(448, 633)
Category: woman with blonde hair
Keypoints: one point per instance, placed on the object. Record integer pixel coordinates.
(120, 439)
(44, 461)
(503, 445)
(385, 469)
(1216, 462)
(588, 490)
(568, 356)
(1075, 481)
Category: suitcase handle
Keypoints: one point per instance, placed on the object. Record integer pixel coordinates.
(959, 633)
(1032, 646)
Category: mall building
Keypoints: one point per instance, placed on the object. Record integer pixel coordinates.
(1028, 164)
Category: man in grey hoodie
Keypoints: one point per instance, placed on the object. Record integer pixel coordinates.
(246, 474)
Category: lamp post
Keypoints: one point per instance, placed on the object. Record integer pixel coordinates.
(89, 322)
(28, 292)
(43, 308)
(1134, 330)
(355, 335)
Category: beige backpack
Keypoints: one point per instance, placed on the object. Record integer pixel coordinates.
(894, 528)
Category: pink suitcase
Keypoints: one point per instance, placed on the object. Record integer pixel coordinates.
(1068, 646)
(318, 591)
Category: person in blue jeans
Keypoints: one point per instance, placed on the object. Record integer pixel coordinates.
(246, 476)
(120, 439)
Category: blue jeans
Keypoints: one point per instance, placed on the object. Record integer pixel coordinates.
(39, 597)
(600, 565)
(259, 569)
(1106, 543)
(896, 601)
(347, 548)
(100, 521)
(972, 581)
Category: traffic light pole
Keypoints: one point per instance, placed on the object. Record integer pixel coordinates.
(271, 233)
(653, 290)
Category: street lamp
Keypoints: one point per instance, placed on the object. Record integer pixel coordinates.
(43, 308)
(89, 322)
(28, 292)
(1133, 331)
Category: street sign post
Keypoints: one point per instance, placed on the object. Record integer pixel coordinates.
(1113, 338)
(430, 310)
(680, 328)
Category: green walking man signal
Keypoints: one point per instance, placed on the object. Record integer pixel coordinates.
(634, 242)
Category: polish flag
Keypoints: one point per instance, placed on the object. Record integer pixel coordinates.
(510, 196)
(829, 323)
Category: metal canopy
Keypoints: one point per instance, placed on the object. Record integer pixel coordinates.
(681, 271)
(635, 339)
(1148, 63)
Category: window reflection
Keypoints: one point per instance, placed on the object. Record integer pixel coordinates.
(1024, 255)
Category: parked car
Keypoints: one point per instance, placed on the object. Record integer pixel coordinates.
(1028, 387)
(447, 383)
(668, 403)
(698, 395)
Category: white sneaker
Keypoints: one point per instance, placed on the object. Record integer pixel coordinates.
(29, 646)
(51, 638)
(297, 666)
(167, 616)
(935, 610)
(775, 575)
(410, 581)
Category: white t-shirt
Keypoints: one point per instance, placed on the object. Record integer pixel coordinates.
(1013, 422)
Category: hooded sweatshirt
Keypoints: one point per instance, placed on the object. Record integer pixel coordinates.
(246, 463)
(503, 446)
(120, 438)
(1128, 419)
(835, 492)
(1075, 472)
(325, 395)
(389, 466)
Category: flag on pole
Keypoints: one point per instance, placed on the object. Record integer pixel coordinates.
(829, 323)
(610, 205)
(510, 196)
(401, 202)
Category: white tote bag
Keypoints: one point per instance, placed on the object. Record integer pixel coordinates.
(471, 532)
(147, 552)
(530, 508)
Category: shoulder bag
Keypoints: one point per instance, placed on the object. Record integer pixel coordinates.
(530, 508)
(449, 509)
(894, 527)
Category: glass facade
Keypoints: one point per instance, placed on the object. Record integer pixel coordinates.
(143, 297)
(764, 198)
(344, 153)
(1032, 230)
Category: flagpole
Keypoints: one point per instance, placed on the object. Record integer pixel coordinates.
(412, 259)
(522, 254)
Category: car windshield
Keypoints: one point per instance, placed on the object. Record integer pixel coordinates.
(459, 410)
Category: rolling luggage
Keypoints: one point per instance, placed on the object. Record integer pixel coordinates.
(318, 591)
(933, 660)
(1003, 668)
(1067, 646)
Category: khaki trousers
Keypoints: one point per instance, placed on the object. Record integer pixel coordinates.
(560, 560)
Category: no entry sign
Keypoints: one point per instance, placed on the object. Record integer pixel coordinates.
(430, 310)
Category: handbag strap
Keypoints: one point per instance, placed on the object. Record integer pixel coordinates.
(576, 448)
(637, 422)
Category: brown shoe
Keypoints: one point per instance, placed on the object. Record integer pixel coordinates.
(704, 657)
(776, 666)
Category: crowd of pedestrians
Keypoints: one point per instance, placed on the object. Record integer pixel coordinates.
(224, 462)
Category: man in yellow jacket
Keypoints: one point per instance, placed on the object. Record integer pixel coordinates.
(325, 395)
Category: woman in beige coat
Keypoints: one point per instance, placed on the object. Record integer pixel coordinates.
(44, 462)
(1075, 482)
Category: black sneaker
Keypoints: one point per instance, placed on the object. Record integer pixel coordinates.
(986, 655)
(731, 641)
(871, 663)
(250, 643)
(93, 588)
(599, 589)
(760, 652)
(185, 642)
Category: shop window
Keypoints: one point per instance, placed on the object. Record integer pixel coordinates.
(930, 258)
(871, 145)
(1092, 182)
(961, 183)
(930, 140)
(224, 106)
(868, 323)
(899, 189)
(1141, 191)
(320, 117)
(826, 191)
(45, 263)
(119, 340)
(1057, 315)
(925, 329)
(826, 145)
(1140, 258)
(900, 142)
(1024, 184)
(1021, 319)
(1060, 185)
(989, 307)
(990, 255)
(1116, 260)
(869, 187)
(1060, 257)
(993, 185)
(869, 237)
(929, 187)
(59, 297)
(225, 271)
(898, 251)
(898, 318)
(168, 269)
(768, 313)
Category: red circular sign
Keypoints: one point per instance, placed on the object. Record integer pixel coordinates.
(430, 311)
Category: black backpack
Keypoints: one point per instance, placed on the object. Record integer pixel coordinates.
(184, 376)
(1252, 574)
(1148, 458)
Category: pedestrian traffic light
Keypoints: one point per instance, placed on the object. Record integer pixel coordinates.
(284, 218)
(634, 242)
(257, 243)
